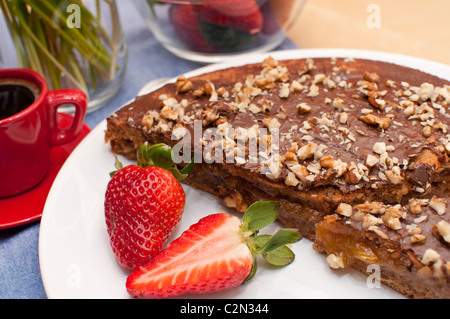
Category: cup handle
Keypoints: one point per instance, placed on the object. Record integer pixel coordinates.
(73, 97)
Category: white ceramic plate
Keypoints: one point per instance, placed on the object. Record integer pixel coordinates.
(75, 256)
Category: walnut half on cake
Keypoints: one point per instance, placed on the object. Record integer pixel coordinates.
(310, 133)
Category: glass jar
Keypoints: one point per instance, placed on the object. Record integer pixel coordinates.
(72, 44)
(212, 31)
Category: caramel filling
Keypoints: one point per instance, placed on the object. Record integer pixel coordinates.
(340, 241)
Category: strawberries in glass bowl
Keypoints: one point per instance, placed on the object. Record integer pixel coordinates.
(216, 30)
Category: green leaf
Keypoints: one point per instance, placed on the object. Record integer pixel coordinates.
(282, 237)
(188, 168)
(156, 155)
(260, 214)
(118, 165)
(280, 256)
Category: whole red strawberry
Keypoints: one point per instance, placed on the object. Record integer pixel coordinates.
(217, 253)
(142, 207)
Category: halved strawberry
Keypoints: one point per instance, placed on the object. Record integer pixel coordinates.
(215, 254)
(143, 204)
(242, 15)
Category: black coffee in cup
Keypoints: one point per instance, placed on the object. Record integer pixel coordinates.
(16, 96)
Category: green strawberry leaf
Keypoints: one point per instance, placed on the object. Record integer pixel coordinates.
(280, 256)
(118, 165)
(156, 155)
(188, 168)
(281, 238)
(260, 214)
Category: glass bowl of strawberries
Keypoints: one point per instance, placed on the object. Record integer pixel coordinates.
(210, 31)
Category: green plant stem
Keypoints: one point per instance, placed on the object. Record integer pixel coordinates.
(44, 44)
(79, 42)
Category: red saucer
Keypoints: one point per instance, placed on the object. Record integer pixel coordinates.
(27, 207)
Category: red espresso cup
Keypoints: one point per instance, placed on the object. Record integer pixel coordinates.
(29, 127)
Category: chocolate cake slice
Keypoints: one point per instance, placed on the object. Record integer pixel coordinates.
(310, 133)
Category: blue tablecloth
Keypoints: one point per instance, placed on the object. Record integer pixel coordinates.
(19, 261)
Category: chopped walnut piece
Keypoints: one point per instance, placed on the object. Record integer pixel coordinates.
(392, 218)
(371, 77)
(413, 230)
(290, 157)
(377, 103)
(374, 208)
(300, 172)
(307, 151)
(426, 131)
(369, 220)
(345, 210)
(183, 85)
(269, 63)
(426, 91)
(371, 119)
(271, 123)
(306, 66)
(313, 90)
(372, 160)
(291, 180)
(168, 113)
(418, 238)
(147, 121)
(379, 148)
(393, 177)
(390, 83)
(213, 111)
(353, 177)
(343, 118)
(438, 204)
(327, 161)
(273, 168)
(284, 91)
(378, 231)
(430, 256)
(236, 201)
(443, 230)
(208, 88)
(221, 91)
(179, 130)
(304, 108)
(338, 103)
(336, 261)
(415, 206)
